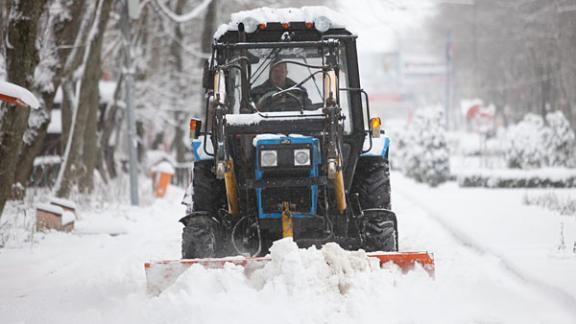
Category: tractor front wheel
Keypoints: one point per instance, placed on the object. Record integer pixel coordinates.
(372, 185)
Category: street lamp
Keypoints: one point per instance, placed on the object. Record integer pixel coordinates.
(131, 11)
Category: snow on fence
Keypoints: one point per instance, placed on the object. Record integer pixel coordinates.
(516, 178)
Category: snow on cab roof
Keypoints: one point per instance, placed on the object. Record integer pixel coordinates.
(280, 15)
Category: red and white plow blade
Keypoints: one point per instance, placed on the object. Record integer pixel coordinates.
(161, 274)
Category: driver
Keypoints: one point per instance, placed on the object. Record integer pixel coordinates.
(294, 99)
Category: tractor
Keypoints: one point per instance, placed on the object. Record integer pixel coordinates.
(288, 146)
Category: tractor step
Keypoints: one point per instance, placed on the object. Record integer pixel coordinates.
(162, 274)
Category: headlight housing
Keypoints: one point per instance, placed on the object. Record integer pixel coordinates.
(268, 158)
(301, 157)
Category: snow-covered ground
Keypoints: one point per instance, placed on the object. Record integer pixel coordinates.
(497, 261)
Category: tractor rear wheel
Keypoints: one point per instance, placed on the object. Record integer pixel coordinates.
(372, 185)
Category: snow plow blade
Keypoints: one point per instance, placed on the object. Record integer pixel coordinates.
(162, 274)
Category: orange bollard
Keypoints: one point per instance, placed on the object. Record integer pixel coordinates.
(162, 184)
(163, 173)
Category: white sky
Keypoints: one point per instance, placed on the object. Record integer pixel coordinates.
(380, 23)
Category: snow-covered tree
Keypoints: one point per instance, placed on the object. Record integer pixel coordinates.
(424, 151)
(526, 143)
(19, 49)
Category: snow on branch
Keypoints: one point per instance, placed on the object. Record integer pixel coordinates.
(17, 95)
(186, 17)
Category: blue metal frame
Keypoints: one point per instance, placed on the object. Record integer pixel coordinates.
(197, 145)
(378, 148)
(315, 161)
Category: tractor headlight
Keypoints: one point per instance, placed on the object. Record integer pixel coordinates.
(301, 157)
(322, 24)
(250, 25)
(268, 158)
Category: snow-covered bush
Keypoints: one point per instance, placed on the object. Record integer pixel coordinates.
(563, 204)
(423, 151)
(561, 141)
(526, 143)
(532, 143)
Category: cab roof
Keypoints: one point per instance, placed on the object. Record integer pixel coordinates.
(277, 16)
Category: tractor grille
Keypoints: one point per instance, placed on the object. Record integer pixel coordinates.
(298, 197)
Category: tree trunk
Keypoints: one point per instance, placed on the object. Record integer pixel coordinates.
(106, 162)
(206, 47)
(177, 60)
(92, 75)
(74, 165)
(65, 32)
(21, 61)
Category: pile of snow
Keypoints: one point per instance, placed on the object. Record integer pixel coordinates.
(17, 225)
(293, 271)
(535, 143)
(515, 178)
(20, 93)
(422, 149)
(280, 15)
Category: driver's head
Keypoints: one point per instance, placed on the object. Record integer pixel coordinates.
(278, 74)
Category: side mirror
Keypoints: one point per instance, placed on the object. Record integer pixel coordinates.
(207, 77)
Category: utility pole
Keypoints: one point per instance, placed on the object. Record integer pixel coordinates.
(448, 89)
(131, 11)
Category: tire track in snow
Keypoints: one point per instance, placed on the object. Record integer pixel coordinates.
(564, 298)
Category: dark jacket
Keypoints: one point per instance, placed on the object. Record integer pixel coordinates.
(288, 101)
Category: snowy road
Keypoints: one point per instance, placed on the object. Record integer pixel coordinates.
(99, 278)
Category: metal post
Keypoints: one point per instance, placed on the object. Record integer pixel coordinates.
(129, 90)
(448, 94)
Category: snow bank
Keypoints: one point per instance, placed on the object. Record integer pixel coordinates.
(20, 93)
(516, 178)
(304, 272)
(281, 15)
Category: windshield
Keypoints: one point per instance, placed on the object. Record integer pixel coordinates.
(287, 79)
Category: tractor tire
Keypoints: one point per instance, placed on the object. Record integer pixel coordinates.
(200, 233)
(372, 185)
(198, 238)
